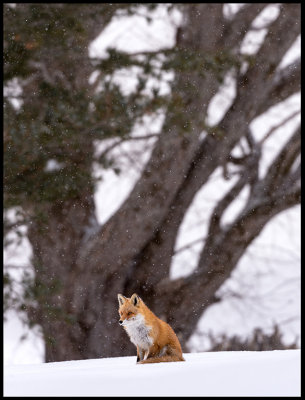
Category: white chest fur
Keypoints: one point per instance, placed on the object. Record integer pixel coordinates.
(138, 332)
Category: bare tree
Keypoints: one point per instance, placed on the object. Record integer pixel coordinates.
(81, 266)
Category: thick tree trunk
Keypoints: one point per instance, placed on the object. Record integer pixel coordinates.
(59, 287)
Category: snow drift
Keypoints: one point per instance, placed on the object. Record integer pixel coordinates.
(269, 373)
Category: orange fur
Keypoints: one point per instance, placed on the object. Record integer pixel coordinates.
(155, 339)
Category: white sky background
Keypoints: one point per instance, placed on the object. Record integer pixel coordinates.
(265, 287)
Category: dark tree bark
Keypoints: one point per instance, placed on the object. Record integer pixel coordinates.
(82, 266)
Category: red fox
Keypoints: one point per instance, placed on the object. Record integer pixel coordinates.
(155, 339)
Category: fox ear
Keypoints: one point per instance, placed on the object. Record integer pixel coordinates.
(135, 299)
(121, 299)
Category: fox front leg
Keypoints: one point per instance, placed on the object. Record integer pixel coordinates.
(140, 354)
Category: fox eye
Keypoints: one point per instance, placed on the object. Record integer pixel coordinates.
(129, 313)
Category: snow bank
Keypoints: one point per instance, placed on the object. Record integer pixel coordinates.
(270, 373)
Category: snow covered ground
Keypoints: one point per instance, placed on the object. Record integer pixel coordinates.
(269, 373)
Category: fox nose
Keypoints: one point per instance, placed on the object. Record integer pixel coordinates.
(120, 322)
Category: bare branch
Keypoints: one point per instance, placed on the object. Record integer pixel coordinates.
(124, 140)
(236, 30)
(281, 165)
(234, 126)
(281, 35)
(188, 246)
(224, 247)
(277, 126)
(222, 205)
(285, 83)
(260, 75)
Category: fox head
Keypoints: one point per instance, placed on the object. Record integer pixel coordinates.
(128, 308)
